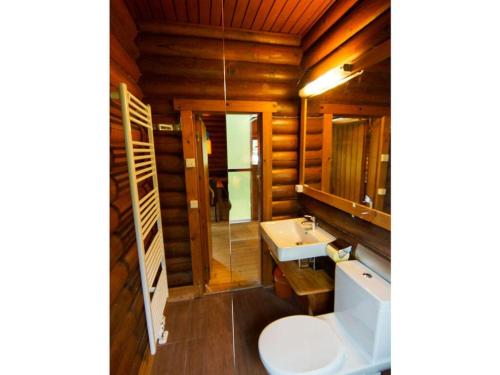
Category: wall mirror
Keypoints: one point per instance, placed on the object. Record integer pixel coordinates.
(346, 158)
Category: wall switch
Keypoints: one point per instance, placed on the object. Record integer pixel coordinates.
(384, 157)
(193, 204)
(190, 163)
(299, 188)
(381, 191)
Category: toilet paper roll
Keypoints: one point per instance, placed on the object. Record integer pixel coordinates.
(335, 256)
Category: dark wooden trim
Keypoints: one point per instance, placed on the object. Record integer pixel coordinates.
(371, 215)
(232, 106)
(182, 293)
(355, 110)
(326, 152)
(192, 193)
(267, 160)
(267, 193)
(302, 139)
(382, 167)
(376, 217)
(204, 31)
(267, 264)
(352, 229)
(204, 206)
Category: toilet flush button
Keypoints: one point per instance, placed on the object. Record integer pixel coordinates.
(367, 275)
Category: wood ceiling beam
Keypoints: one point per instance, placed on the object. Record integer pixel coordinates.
(331, 16)
(214, 89)
(211, 48)
(377, 54)
(361, 16)
(204, 31)
(193, 68)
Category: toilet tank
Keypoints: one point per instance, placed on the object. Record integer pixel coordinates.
(363, 308)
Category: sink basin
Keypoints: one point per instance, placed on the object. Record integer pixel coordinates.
(290, 239)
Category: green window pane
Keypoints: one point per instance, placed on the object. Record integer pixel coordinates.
(239, 131)
(240, 185)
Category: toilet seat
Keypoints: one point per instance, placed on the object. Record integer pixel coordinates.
(300, 344)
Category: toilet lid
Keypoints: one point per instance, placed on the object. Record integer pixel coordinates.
(300, 344)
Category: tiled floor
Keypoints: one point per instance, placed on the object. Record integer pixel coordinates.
(201, 333)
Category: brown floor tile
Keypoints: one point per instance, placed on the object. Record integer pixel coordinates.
(170, 359)
(211, 355)
(247, 356)
(255, 308)
(178, 320)
(200, 338)
(211, 315)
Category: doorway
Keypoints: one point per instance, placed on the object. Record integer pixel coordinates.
(233, 147)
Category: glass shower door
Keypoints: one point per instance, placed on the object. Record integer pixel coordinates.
(239, 132)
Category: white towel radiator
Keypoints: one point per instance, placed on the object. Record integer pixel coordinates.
(147, 214)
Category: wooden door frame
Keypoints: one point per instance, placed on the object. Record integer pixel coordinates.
(204, 202)
(187, 107)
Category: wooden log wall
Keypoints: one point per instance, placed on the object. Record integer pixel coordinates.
(179, 66)
(217, 160)
(348, 32)
(128, 333)
(171, 182)
(314, 151)
(349, 154)
(186, 66)
(285, 171)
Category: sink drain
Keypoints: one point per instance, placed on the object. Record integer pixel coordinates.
(299, 243)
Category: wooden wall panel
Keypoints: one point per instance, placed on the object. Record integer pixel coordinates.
(190, 66)
(173, 45)
(348, 161)
(362, 15)
(172, 185)
(217, 160)
(285, 142)
(354, 32)
(189, 87)
(349, 32)
(204, 68)
(128, 333)
(314, 152)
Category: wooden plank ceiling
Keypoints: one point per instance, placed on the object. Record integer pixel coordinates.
(293, 17)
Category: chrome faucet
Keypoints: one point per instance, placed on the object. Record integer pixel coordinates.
(312, 220)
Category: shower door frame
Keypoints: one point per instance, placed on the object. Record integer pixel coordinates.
(187, 109)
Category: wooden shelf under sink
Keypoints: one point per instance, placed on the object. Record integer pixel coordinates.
(314, 287)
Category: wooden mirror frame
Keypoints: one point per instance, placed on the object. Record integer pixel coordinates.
(371, 215)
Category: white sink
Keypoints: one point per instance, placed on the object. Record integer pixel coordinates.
(290, 239)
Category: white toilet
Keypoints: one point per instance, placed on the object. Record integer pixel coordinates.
(354, 339)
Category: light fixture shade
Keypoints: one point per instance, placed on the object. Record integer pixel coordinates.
(332, 78)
